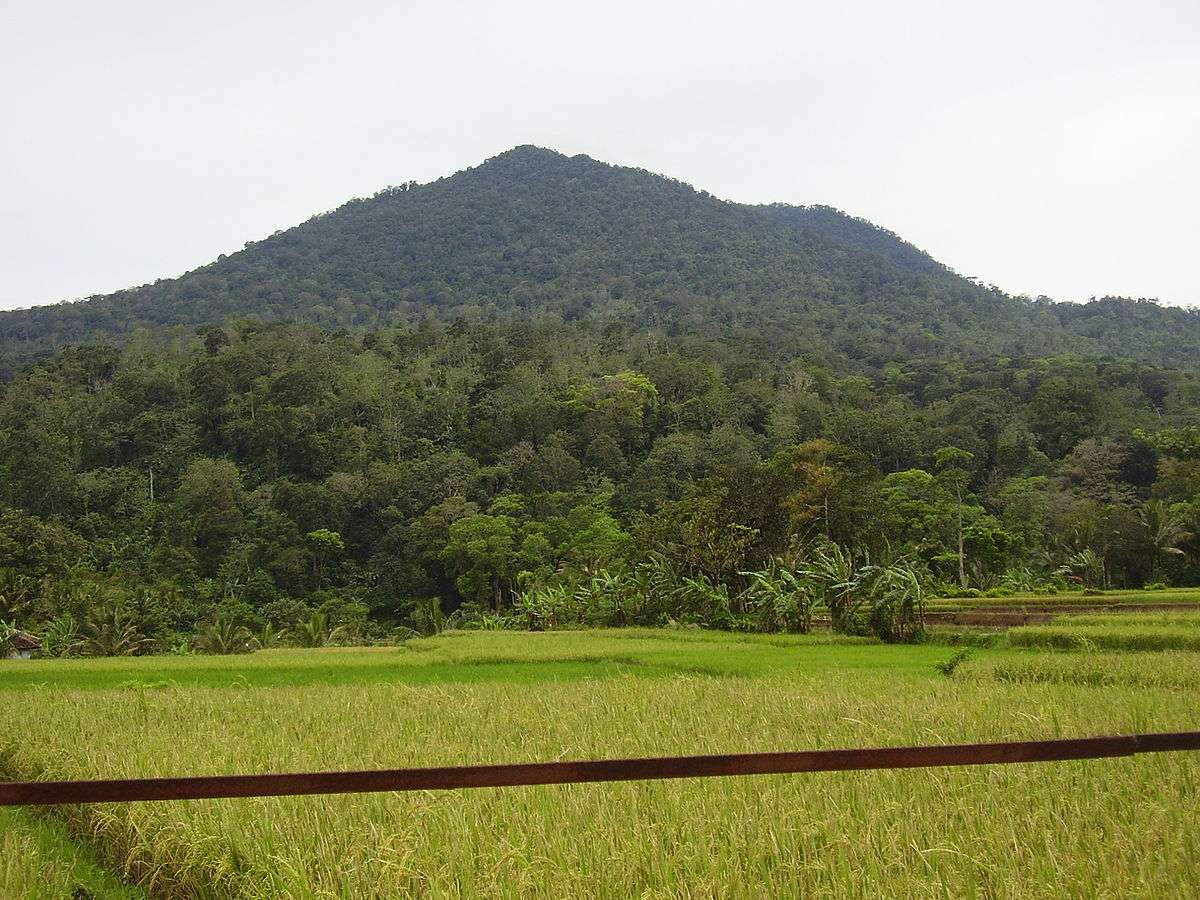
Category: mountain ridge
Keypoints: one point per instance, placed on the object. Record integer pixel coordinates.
(532, 232)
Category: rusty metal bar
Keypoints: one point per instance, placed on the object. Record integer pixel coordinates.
(31, 793)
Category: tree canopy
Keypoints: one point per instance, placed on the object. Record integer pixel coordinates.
(364, 476)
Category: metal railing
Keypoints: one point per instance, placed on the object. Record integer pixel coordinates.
(205, 787)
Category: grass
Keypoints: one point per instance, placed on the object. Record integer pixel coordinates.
(1116, 828)
(1131, 635)
(473, 657)
(1169, 670)
(1168, 597)
(39, 860)
(1168, 619)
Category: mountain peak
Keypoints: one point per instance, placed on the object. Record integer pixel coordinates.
(528, 151)
(527, 160)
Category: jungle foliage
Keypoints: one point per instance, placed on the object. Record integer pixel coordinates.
(263, 482)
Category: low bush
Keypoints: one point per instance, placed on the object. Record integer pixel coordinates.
(947, 666)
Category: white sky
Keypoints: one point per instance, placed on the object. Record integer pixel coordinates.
(1048, 147)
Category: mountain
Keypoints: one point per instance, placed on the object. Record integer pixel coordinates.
(532, 233)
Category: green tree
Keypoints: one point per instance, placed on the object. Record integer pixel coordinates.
(211, 499)
(481, 552)
(327, 547)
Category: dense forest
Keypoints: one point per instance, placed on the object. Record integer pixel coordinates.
(535, 235)
(271, 475)
(548, 391)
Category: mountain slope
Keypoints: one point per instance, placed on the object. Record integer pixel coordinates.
(534, 233)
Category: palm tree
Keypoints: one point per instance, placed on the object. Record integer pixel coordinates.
(112, 633)
(316, 632)
(1165, 528)
(223, 637)
(268, 636)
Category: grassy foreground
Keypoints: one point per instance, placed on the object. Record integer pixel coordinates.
(39, 860)
(1118, 828)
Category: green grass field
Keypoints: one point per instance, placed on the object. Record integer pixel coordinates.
(1130, 632)
(481, 657)
(1113, 598)
(1115, 828)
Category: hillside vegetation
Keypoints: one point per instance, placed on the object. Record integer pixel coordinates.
(532, 234)
(551, 475)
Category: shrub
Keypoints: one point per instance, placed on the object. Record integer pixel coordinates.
(947, 667)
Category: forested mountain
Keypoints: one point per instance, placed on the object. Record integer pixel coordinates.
(535, 234)
(548, 390)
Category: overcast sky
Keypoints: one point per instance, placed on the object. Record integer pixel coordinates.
(1047, 147)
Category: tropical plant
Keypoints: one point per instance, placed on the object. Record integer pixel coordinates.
(702, 601)
(429, 618)
(836, 577)
(17, 593)
(223, 637)
(8, 632)
(1165, 528)
(112, 632)
(897, 602)
(550, 606)
(61, 637)
(783, 599)
(316, 631)
(1084, 568)
(267, 636)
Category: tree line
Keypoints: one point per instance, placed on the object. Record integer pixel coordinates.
(261, 480)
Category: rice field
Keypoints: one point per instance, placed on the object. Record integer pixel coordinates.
(1131, 632)
(1115, 828)
(1169, 670)
(1181, 597)
(481, 656)
(39, 859)
(1170, 619)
